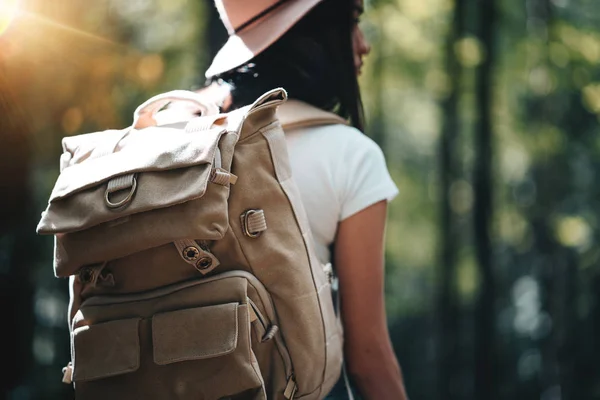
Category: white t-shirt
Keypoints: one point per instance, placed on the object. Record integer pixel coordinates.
(339, 172)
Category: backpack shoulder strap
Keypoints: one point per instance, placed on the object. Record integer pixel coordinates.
(297, 114)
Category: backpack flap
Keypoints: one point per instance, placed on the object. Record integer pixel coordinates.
(152, 168)
(121, 192)
(250, 119)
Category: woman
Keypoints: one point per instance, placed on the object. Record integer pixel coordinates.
(314, 49)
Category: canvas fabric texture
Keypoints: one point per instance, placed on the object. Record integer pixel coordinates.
(191, 263)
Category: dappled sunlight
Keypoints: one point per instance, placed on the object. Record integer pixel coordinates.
(542, 81)
(514, 163)
(559, 54)
(573, 231)
(69, 60)
(150, 68)
(9, 10)
(72, 120)
(44, 26)
(470, 51)
(591, 97)
(512, 228)
(530, 319)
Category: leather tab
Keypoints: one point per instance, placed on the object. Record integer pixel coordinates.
(290, 389)
(222, 177)
(253, 223)
(196, 255)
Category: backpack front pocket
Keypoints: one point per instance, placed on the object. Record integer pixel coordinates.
(179, 345)
(104, 350)
(195, 334)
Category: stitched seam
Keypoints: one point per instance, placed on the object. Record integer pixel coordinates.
(306, 246)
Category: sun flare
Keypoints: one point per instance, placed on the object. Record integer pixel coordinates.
(8, 12)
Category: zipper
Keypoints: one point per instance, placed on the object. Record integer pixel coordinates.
(267, 323)
(271, 331)
(267, 327)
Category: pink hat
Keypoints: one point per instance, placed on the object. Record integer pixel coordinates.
(253, 25)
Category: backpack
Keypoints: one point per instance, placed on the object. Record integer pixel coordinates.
(192, 272)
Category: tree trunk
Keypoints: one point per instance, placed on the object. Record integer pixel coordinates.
(447, 295)
(377, 119)
(15, 265)
(485, 388)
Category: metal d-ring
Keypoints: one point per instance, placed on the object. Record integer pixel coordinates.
(121, 203)
(245, 216)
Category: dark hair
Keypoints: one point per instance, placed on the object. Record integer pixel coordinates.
(313, 61)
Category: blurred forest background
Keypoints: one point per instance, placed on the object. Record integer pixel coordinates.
(488, 112)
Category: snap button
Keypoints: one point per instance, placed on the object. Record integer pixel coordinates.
(191, 253)
(204, 263)
(86, 275)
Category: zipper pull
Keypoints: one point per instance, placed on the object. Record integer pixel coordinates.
(273, 329)
(328, 269)
(290, 388)
(68, 373)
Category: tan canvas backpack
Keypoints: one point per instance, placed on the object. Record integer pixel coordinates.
(190, 259)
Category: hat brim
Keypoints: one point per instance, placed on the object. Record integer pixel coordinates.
(255, 38)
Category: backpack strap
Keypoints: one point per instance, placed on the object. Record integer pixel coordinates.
(295, 114)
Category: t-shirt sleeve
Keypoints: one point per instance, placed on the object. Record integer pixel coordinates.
(365, 175)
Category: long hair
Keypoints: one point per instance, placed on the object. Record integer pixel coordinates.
(313, 61)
